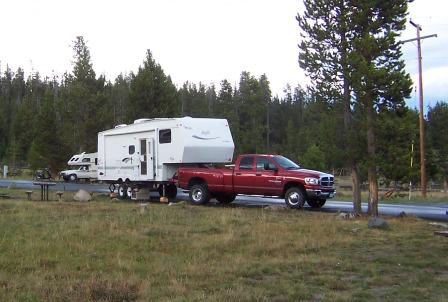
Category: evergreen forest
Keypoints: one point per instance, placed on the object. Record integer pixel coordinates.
(357, 98)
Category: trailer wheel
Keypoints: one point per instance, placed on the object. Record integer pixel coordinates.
(295, 198)
(129, 192)
(199, 194)
(316, 203)
(225, 197)
(122, 188)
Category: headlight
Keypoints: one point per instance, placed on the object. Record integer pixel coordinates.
(311, 181)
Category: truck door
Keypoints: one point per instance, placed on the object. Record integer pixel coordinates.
(243, 176)
(267, 181)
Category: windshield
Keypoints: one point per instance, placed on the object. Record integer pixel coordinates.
(286, 163)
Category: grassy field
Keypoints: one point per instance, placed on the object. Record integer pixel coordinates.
(113, 251)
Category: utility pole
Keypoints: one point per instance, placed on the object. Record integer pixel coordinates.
(423, 179)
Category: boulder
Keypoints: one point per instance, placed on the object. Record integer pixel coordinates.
(181, 203)
(378, 223)
(275, 208)
(345, 216)
(82, 196)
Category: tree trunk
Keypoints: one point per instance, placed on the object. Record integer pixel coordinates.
(357, 210)
(373, 181)
(348, 127)
(445, 185)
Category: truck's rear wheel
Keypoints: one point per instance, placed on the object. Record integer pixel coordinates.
(316, 203)
(225, 197)
(122, 191)
(199, 194)
(295, 198)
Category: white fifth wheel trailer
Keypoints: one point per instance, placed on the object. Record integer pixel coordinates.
(145, 155)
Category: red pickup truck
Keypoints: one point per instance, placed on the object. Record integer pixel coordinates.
(258, 174)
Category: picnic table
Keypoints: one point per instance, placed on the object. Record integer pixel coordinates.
(44, 187)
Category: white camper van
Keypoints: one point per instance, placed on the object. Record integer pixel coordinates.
(82, 166)
(147, 153)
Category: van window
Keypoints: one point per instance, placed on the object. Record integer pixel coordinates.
(165, 136)
(246, 163)
(131, 149)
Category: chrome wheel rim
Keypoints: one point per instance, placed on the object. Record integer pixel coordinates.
(196, 195)
(294, 198)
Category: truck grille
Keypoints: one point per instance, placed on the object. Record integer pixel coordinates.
(327, 181)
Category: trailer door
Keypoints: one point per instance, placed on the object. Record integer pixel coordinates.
(146, 158)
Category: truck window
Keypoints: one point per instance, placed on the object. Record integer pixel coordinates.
(165, 136)
(246, 163)
(131, 149)
(264, 160)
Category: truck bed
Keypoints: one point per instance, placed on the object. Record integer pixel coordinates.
(218, 180)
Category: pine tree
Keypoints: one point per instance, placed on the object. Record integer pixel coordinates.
(378, 79)
(152, 92)
(438, 141)
(324, 50)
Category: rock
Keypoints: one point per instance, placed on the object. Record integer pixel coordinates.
(143, 208)
(275, 208)
(439, 224)
(113, 195)
(345, 216)
(182, 203)
(378, 223)
(402, 214)
(82, 196)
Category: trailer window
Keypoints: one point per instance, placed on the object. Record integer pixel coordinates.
(84, 160)
(165, 136)
(131, 149)
(246, 163)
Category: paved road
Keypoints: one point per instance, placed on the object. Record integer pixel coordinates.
(433, 212)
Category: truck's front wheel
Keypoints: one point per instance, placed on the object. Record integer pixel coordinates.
(295, 198)
(225, 197)
(316, 203)
(199, 194)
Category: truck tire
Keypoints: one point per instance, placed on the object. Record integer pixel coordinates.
(170, 191)
(225, 197)
(72, 177)
(199, 194)
(316, 203)
(122, 191)
(295, 198)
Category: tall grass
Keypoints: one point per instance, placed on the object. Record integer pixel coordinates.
(103, 251)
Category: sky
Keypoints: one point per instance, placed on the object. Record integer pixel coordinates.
(194, 40)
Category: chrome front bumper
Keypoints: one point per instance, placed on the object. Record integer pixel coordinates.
(320, 194)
